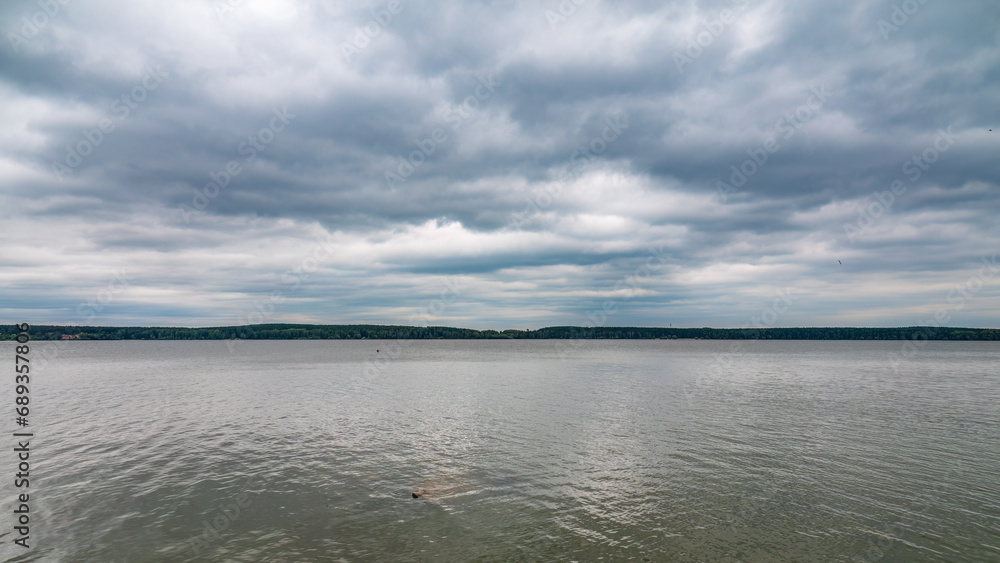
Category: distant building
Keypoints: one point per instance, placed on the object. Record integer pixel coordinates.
(70, 337)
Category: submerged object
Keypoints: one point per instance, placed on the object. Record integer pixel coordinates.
(442, 487)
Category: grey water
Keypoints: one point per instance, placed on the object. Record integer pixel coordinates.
(528, 450)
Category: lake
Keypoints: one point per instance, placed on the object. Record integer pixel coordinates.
(526, 450)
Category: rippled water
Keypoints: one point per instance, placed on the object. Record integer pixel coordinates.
(528, 451)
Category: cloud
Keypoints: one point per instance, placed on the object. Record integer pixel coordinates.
(521, 185)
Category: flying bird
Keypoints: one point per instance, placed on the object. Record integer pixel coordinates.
(839, 262)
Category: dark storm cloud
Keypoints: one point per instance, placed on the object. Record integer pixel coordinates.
(537, 152)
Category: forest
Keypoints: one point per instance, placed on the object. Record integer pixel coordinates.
(354, 332)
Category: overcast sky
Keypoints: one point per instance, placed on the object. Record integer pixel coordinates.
(500, 164)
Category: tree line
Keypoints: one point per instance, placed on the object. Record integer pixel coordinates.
(392, 332)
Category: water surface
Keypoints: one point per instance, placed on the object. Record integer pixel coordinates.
(529, 451)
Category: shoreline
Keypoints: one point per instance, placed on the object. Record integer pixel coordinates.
(400, 332)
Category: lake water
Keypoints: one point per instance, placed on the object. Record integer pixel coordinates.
(528, 451)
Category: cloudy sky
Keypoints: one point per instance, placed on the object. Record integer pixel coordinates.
(500, 164)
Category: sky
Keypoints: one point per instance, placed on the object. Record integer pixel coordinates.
(500, 164)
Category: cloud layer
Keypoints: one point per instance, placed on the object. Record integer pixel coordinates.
(500, 164)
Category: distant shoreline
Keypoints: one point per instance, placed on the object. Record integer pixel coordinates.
(398, 332)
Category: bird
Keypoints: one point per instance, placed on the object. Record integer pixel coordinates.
(839, 262)
(376, 351)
